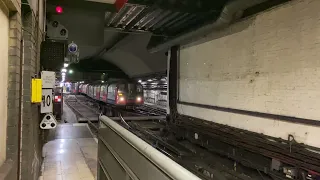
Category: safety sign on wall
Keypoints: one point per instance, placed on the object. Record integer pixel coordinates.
(48, 79)
(48, 122)
(48, 82)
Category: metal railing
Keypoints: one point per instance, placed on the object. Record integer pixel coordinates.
(124, 156)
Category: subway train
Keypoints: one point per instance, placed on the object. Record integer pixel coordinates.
(115, 93)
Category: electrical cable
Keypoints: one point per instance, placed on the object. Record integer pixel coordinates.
(123, 121)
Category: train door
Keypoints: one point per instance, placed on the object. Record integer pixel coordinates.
(121, 94)
(134, 93)
(103, 96)
(94, 92)
(111, 94)
(97, 97)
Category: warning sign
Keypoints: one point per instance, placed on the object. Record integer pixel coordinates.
(48, 79)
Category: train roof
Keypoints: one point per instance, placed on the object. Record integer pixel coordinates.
(113, 81)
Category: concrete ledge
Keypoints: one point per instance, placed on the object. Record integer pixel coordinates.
(5, 169)
(13, 5)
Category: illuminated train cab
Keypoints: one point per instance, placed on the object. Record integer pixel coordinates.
(119, 93)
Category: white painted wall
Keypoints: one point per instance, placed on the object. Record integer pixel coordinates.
(268, 63)
(4, 44)
(156, 97)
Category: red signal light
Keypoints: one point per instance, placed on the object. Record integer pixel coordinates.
(57, 98)
(59, 9)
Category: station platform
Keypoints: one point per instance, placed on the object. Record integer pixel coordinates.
(71, 156)
(71, 151)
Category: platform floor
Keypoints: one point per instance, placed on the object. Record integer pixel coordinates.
(71, 152)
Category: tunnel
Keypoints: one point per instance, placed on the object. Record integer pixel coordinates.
(159, 89)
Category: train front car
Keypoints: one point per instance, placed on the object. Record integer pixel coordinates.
(126, 94)
(135, 94)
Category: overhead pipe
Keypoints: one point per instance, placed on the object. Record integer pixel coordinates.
(226, 17)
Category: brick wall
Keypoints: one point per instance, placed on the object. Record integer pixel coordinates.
(31, 134)
(11, 163)
(268, 63)
(32, 137)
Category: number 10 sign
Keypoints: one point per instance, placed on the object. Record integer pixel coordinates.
(48, 82)
(46, 102)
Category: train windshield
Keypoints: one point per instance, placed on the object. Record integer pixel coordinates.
(139, 88)
(121, 87)
(131, 88)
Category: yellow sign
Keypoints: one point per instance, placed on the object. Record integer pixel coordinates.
(36, 94)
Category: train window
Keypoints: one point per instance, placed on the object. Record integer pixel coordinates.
(102, 88)
(139, 88)
(131, 87)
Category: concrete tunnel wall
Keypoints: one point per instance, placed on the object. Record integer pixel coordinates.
(131, 55)
(86, 28)
(268, 63)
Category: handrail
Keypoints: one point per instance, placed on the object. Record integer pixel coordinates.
(167, 165)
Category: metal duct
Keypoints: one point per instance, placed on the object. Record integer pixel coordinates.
(226, 17)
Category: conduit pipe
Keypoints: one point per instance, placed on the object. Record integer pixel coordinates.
(226, 17)
(167, 165)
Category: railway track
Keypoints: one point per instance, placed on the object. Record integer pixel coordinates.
(85, 110)
(143, 122)
(150, 110)
(88, 110)
(205, 154)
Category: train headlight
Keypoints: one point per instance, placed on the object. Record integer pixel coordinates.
(121, 99)
(139, 99)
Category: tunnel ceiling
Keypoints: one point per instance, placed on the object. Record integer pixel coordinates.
(98, 65)
(99, 29)
(171, 18)
(164, 18)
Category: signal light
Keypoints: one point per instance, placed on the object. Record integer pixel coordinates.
(59, 9)
(57, 98)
